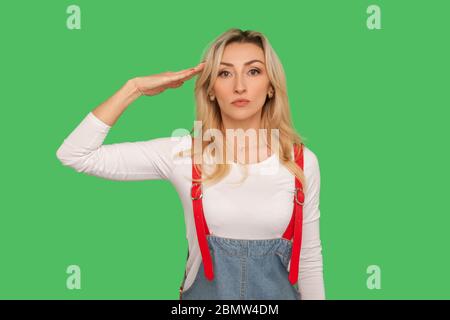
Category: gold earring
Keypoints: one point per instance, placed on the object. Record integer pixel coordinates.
(270, 94)
(211, 98)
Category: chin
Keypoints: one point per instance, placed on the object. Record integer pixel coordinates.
(241, 115)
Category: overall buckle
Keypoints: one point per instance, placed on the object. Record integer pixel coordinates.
(201, 189)
(296, 196)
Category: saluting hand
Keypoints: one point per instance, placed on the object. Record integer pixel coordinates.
(154, 84)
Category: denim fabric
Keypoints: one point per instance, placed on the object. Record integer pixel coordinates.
(245, 270)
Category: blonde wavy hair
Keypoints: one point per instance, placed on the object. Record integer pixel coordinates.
(275, 112)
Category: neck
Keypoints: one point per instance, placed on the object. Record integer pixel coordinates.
(243, 150)
(252, 123)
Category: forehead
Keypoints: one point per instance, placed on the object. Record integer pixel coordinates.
(239, 53)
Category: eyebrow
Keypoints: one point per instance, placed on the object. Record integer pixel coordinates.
(247, 63)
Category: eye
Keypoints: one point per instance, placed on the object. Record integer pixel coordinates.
(222, 72)
(258, 72)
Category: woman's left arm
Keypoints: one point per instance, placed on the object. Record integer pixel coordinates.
(310, 280)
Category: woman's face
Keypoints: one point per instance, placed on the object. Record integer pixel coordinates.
(242, 75)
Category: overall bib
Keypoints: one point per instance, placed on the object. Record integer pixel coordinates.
(247, 269)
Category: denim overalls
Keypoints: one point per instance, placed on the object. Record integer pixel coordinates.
(247, 269)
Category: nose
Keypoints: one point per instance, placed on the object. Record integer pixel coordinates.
(239, 85)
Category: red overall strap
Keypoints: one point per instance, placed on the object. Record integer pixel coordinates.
(294, 229)
(200, 223)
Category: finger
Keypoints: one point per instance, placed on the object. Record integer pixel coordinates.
(185, 71)
(186, 74)
(197, 69)
(191, 70)
(183, 76)
(201, 65)
(188, 77)
(176, 85)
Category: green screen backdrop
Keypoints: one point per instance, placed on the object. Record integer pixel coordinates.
(372, 103)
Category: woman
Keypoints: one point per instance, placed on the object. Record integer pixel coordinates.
(252, 225)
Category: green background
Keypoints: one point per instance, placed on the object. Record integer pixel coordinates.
(373, 106)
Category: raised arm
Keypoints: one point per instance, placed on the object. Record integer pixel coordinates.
(84, 151)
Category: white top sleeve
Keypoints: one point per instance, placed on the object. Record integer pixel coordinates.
(311, 284)
(84, 151)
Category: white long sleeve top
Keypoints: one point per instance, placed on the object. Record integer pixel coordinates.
(258, 207)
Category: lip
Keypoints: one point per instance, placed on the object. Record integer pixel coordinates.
(240, 102)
